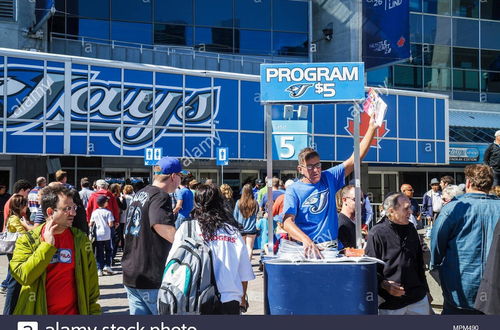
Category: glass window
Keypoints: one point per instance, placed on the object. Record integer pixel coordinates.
(437, 30)
(465, 32)
(415, 28)
(183, 13)
(171, 34)
(60, 6)
(380, 77)
(290, 44)
(93, 28)
(466, 80)
(131, 10)
(289, 15)
(214, 39)
(88, 8)
(252, 42)
(415, 5)
(253, 14)
(57, 24)
(438, 79)
(214, 13)
(416, 54)
(490, 32)
(465, 8)
(465, 58)
(437, 56)
(441, 7)
(132, 32)
(490, 82)
(408, 76)
(490, 10)
(490, 60)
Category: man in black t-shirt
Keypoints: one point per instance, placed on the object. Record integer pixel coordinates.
(347, 225)
(149, 233)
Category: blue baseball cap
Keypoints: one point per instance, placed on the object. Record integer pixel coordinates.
(169, 165)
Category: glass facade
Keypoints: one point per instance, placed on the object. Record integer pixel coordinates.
(249, 27)
(455, 50)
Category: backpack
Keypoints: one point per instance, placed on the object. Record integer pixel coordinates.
(188, 285)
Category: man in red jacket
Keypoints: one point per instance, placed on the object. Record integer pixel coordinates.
(102, 189)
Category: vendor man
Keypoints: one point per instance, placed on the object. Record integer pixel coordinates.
(310, 209)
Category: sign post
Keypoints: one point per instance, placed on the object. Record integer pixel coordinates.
(311, 83)
(222, 160)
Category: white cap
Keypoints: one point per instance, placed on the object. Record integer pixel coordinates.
(497, 133)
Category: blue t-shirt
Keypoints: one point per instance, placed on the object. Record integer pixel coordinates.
(186, 196)
(314, 205)
(276, 193)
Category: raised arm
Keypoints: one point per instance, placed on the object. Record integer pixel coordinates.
(363, 147)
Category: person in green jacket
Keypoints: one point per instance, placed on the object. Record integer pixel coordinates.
(54, 263)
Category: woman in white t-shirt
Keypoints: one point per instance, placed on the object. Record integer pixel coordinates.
(232, 268)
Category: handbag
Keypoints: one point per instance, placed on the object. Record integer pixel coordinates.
(8, 242)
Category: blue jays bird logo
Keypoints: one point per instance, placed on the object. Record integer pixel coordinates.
(317, 201)
(298, 90)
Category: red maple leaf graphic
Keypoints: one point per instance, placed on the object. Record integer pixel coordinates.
(401, 42)
(363, 127)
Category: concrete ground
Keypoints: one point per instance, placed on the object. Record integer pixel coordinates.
(114, 299)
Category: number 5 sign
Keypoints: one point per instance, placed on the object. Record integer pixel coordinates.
(289, 138)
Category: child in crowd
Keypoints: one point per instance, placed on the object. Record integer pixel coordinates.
(103, 220)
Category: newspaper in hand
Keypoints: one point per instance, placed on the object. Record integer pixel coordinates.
(375, 104)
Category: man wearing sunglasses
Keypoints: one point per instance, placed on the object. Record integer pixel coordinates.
(310, 206)
(54, 262)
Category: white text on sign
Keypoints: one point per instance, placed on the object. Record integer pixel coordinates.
(312, 74)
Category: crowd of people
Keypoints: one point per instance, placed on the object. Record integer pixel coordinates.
(69, 238)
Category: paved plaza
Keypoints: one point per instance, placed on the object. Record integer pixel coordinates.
(113, 298)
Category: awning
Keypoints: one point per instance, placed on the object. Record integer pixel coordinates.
(475, 119)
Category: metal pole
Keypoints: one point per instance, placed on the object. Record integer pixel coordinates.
(269, 155)
(357, 174)
(222, 174)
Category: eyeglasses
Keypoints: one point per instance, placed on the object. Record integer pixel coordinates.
(312, 166)
(68, 209)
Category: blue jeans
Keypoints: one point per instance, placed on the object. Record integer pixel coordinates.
(103, 253)
(142, 301)
(180, 220)
(13, 290)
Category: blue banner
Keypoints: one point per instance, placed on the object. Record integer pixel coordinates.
(386, 32)
(467, 153)
(311, 82)
(110, 113)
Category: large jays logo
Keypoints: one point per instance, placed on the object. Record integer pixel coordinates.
(364, 123)
(143, 106)
(317, 201)
(298, 90)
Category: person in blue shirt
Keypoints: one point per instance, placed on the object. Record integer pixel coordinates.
(310, 208)
(185, 200)
(276, 192)
(245, 213)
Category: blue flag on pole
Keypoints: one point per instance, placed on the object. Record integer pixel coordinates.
(386, 32)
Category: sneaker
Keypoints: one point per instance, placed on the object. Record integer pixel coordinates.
(108, 271)
(99, 273)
